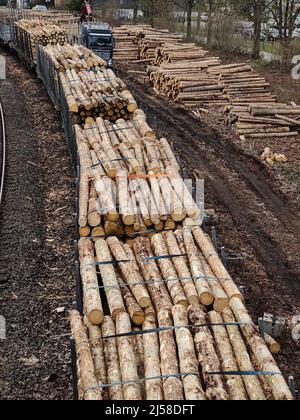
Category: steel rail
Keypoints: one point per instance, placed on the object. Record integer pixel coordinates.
(3, 157)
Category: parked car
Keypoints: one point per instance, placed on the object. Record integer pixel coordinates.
(40, 8)
(248, 32)
(296, 34)
(272, 34)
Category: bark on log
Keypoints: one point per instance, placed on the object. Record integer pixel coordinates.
(91, 294)
(173, 387)
(207, 354)
(97, 351)
(83, 351)
(235, 385)
(187, 356)
(264, 358)
(138, 345)
(252, 384)
(112, 359)
(132, 391)
(154, 391)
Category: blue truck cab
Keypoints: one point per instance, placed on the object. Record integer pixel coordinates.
(99, 38)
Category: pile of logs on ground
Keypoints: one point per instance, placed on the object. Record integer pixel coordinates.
(126, 49)
(99, 93)
(188, 81)
(172, 52)
(129, 182)
(149, 40)
(76, 57)
(252, 110)
(139, 42)
(176, 327)
(243, 85)
(264, 120)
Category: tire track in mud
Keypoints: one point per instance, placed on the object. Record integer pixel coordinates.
(200, 149)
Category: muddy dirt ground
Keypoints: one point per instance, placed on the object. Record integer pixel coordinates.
(36, 249)
(258, 215)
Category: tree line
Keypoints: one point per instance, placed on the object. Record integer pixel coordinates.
(284, 13)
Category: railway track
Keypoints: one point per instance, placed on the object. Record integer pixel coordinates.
(3, 151)
(3, 157)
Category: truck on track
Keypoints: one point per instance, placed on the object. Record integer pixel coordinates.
(99, 38)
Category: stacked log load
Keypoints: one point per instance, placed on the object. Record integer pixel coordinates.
(91, 90)
(42, 32)
(68, 57)
(129, 183)
(176, 327)
(163, 319)
(96, 94)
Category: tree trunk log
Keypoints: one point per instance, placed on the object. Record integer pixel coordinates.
(112, 359)
(84, 357)
(252, 384)
(187, 356)
(154, 391)
(132, 391)
(235, 385)
(168, 271)
(97, 351)
(133, 308)
(207, 354)
(173, 387)
(182, 268)
(109, 278)
(204, 291)
(131, 276)
(218, 268)
(91, 294)
(157, 289)
(258, 346)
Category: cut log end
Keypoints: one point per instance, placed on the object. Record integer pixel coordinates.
(96, 317)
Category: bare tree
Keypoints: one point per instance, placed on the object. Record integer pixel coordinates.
(187, 6)
(285, 13)
(136, 4)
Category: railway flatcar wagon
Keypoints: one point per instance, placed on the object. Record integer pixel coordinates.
(16, 39)
(5, 30)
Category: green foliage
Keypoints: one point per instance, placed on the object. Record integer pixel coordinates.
(75, 5)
